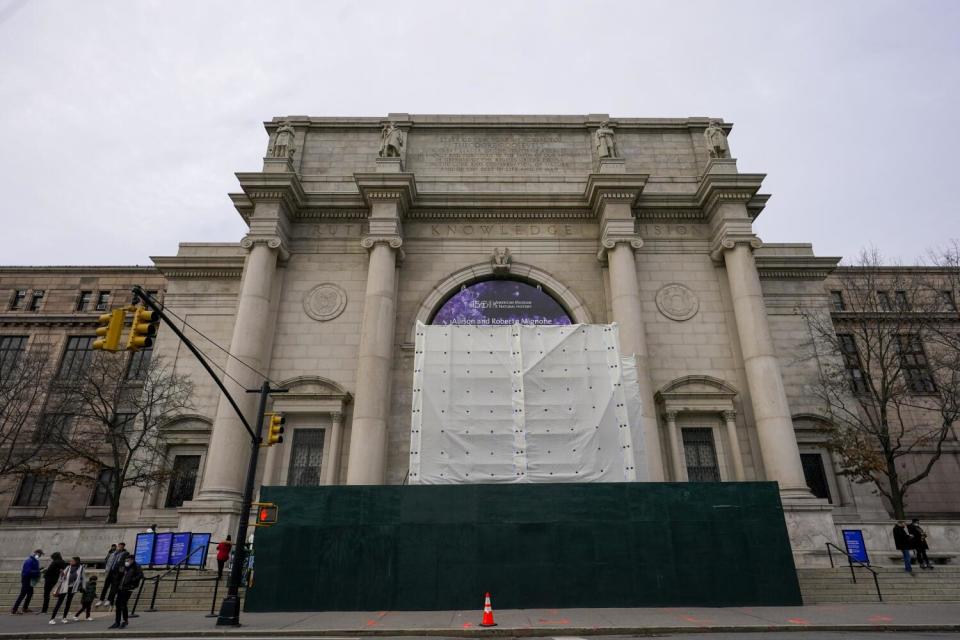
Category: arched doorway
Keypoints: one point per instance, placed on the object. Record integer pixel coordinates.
(501, 301)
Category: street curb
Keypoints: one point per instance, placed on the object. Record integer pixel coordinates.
(499, 632)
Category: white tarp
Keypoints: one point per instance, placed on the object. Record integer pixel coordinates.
(522, 403)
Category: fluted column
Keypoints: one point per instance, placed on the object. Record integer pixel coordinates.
(778, 443)
(223, 475)
(368, 438)
(730, 418)
(677, 459)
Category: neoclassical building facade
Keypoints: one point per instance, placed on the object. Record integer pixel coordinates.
(359, 228)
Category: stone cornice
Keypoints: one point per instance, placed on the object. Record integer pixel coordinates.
(387, 187)
(720, 188)
(48, 319)
(284, 188)
(86, 271)
(795, 268)
(415, 121)
(199, 267)
(613, 187)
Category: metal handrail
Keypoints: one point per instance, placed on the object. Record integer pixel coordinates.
(850, 561)
(160, 576)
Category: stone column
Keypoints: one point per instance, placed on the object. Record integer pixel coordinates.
(336, 429)
(679, 466)
(845, 498)
(368, 438)
(778, 442)
(730, 418)
(223, 475)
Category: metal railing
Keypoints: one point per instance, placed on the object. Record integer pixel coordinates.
(851, 561)
(176, 581)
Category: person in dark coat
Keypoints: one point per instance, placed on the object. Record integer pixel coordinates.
(108, 564)
(87, 597)
(119, 558)
(126, 583)
(29, 575)
(50, 576)
(919, 543)
(904, 542)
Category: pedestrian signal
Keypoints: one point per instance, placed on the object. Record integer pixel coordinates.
(110, 326)
(267, 513)
(143, 329)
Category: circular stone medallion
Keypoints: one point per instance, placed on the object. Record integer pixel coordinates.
(325, 302)
(677, 302)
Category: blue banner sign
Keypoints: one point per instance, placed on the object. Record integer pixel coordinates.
(179, 547)
(853, 540)
(143, 552)
(198, 549)
(161, 549)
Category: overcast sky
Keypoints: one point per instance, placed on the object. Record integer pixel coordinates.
(123, 122)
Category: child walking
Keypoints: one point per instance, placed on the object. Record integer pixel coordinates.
(87, 597)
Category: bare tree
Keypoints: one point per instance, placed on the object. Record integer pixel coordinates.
(24, 377)
(888, 380)
(112, 432)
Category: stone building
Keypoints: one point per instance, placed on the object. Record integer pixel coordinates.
(361, 227)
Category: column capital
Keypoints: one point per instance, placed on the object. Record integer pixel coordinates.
(729, 415)
(671, 415)
(274, 242)
(336, 417)
(729, 239)
(394, 241)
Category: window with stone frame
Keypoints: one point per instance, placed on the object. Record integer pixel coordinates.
(306, 456)
(103, 300)
(836, 297)
(36, 299)
(16, 301)
(883, 299)
(83, 300)
(139, 363)
(901, 300)
(701, 455)
(183, 480)
(102, 488)
(914, 365)
(947, 300)
(11, 348)
(34, 490)
(76, 357)
(816, 475)
(851, 361)
(53, 428)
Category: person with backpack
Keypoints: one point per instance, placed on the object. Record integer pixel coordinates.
(127, 582)
(50, 576)
(72, 580)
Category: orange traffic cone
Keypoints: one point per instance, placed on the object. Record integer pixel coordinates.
(487, 613)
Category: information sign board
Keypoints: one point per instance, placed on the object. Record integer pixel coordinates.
(198, 549)
(179, 547)
(143, 551)
(161, 548)
(853, 541)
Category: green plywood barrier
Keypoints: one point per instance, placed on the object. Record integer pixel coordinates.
(374, 548)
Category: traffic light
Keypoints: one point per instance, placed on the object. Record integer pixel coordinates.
(143, 329)
(267, 514)
(110, 326)
(275, 430)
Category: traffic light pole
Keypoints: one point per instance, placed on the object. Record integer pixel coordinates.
(230, 609)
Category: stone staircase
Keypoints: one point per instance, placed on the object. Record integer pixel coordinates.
(829, 585)
(194, 592)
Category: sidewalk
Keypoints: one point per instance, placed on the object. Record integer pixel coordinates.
(529, 622)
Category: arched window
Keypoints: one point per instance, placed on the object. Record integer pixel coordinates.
(500, 301)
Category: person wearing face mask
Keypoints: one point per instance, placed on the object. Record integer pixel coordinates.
(127, 582)
(29, 575)
(72, 580)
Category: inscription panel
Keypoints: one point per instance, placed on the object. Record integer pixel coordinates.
(532, 230)
(492, 153)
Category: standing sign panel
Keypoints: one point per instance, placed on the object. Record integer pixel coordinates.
(179, 547)
(161, 549)
(143, 552)
(853, 541)
(198, 549)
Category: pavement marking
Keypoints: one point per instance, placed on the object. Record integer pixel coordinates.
(798, 621)
(880, 619)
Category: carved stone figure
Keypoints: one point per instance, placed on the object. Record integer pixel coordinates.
(716, 140)
(501, 260)
(283, 143)
(605, 142)
(391, 141)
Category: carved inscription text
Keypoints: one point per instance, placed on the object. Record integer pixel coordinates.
(490, 153)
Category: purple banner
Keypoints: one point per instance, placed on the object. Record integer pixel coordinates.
(501, 302)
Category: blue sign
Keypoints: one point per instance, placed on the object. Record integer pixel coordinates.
(179, 547)
(856, 548)
(198, 549)
(161, 549)
(501, 302)
(143, 552)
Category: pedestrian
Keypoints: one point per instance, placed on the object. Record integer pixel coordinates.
(29, 576)
(920, 543)
(87, 597)
(152, 529)
(223, 554)
(904, 542)
(118, 559)
(108, 563)
(50, 576)
(72, 580)
(127, 582)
